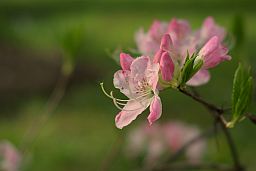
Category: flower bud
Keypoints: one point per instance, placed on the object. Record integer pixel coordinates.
(166, 66)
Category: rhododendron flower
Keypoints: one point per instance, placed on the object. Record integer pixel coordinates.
(137, 80)
(10, 157)
(178, 39)
(158, 140)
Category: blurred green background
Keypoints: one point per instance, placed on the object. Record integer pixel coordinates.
(80, 133)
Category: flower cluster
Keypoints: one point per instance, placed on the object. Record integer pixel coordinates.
(160, 139)
(173, 55)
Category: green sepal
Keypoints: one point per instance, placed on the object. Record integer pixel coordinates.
(191, 66)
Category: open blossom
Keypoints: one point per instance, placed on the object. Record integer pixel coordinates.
(177, 39)
(138, 81)
(10, 157)
(161, 139)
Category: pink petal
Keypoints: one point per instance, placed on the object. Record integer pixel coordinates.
(213, 53)
(148, 43)
(125, 61)
(155, 110)
(217, 57)
(179, 27)
(130, 112)
(200, 78)
(166, 42)
(210, 29)
(158, 55)
(121, 81)
(153, 71)
(167, 67)
(210, 46)
(178, 30)
(139, 67)
(155, 29)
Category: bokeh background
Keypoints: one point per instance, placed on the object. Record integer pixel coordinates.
(80, 133)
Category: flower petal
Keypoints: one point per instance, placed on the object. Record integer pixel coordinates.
(157, 56)
(167, 67)
(125, 61)
(130, 112)
(210, 46)
(213, 53)
(210, 29)
(155, 110)
(121, 81)
(139, 67)
(166, 43)
(200, 78)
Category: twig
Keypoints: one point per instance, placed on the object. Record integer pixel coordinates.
(202, 101)
(36, 127)
(217, 114)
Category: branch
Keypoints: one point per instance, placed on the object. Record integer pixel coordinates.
(217, 114)
(202, 101)
(52, 103)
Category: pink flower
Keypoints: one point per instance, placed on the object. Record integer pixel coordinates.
(178, 134)
(213, 53)
(158, 140)
(177, 39)
(182, 37)
(10, 157)
(138, 81)
(148, 43)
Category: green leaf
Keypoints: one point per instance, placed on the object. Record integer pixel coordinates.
(241, 94)
(237, 84)
(244, 99)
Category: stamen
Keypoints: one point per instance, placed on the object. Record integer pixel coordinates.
(104, 91)
(111, 94)
(118, 102)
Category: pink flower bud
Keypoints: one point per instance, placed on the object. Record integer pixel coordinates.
(158, 56)
(213, 53)
(166, 43)
(166, 67)
(155, 110)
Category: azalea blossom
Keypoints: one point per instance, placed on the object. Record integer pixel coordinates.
(138, 81)
(178, 39)
(159, 140)
(10, 157)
